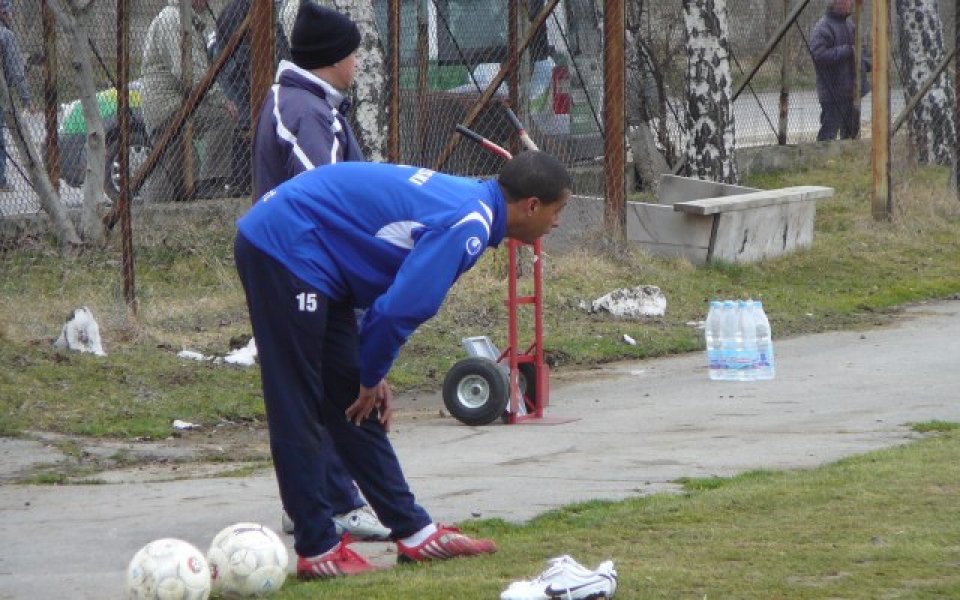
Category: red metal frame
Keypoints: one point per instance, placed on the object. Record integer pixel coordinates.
(534, 406)
(534, 353)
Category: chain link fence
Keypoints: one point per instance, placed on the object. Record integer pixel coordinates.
(451, 51)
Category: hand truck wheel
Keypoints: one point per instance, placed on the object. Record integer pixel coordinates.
(475, 391)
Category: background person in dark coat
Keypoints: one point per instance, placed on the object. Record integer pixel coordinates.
(12, 62)
(831, 47)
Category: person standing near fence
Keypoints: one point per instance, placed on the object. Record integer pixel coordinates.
(302, 125)
(164, 93)
(16, 81)
(832, 50)
(234, 80)
(303, 122)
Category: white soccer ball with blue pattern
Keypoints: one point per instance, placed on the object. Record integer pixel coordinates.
(168, 569)
(247, 560)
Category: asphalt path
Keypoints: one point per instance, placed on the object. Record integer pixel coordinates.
(621, 431)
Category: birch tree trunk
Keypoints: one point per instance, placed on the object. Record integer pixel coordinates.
(711, 144)
(921, 49)
(90, 228)
(63, 227)
(369, 117)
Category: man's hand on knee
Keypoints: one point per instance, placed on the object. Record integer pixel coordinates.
(379, 397)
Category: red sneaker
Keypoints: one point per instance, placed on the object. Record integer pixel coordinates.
(446, 542)
(336, 562)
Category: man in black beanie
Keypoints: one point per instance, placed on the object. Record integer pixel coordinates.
(302, 125)
(303, 122)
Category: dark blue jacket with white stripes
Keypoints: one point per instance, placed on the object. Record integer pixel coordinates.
(298, 129)
(389, 237)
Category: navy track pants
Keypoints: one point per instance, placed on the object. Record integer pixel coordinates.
(307, 346)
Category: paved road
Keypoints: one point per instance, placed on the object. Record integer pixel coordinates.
(638, 426)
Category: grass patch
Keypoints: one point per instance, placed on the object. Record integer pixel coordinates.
(880, 525)
(857, 275)
(935, 427)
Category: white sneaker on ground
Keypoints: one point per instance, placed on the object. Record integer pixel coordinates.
(286, 523)
(361, 523)
(566, 579)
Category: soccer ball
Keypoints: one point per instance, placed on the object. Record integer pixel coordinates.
(247, 559)
(168, 569)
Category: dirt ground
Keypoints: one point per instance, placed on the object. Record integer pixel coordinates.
(227, 448)
(224, 449)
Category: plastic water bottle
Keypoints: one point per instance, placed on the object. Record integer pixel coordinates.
(730, 339)
(765, 368)
(747, 346)
(711, 330)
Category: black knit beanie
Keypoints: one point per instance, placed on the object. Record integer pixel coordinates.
(322, 37)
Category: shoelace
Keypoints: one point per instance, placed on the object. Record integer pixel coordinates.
(341, 552)
(444, 528)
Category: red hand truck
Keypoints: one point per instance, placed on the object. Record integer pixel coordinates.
(513, 386)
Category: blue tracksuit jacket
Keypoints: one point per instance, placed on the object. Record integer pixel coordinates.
(388, 237)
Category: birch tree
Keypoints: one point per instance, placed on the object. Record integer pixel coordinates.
(931, 125)
(370, 83)
(711, 143)
(93, 195)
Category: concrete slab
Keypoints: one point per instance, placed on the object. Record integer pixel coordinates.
(639, 427)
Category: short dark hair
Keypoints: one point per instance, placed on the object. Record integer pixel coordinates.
(534, 173)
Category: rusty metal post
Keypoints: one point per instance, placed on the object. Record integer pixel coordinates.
(881, 203)
(393, 113)
(263, 59)
(614, 152)
(50, 95)
(513, 79)
(123, 117)
(423, 55)
(186, 72)
(263, 43)
(857, 61)
(783, 122)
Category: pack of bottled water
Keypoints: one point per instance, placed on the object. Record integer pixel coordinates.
(739, 341)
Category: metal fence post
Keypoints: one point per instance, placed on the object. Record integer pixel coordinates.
(857, 61)
(614, 151)
(881, 204)
(393, 114)
(50, 95)
(123, 115)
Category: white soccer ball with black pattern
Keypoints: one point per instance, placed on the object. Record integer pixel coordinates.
(247, 559)
(168, 569)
